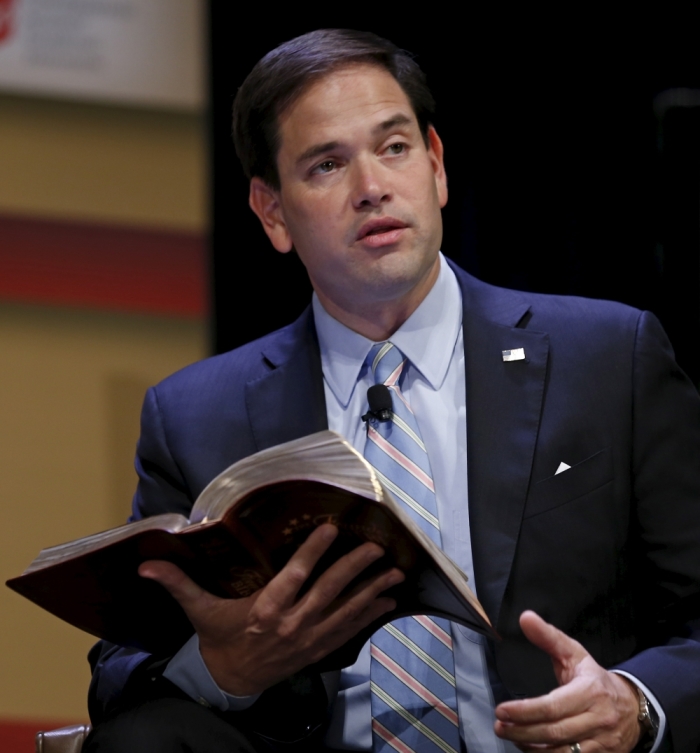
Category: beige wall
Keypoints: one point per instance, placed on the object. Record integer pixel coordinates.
(71, 385)
(98, 163)
(71, 382)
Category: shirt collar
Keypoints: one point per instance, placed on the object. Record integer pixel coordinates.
(427, 338)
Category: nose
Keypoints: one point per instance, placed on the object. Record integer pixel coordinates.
(370, 186)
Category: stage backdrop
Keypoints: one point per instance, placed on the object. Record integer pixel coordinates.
(138, 52)
(556, 163)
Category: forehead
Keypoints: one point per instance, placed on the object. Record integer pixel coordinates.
(354, 97)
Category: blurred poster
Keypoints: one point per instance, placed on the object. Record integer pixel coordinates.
(139, 52)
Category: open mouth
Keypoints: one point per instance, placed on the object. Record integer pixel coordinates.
(380, 227)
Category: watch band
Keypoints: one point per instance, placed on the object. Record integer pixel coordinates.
(649, 722)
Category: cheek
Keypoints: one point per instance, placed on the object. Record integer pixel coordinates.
(322, 223)
(308, 208)
(317, 218)
(419, 185)
(312, 233)
(300, 219)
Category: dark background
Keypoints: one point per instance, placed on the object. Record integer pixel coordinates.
(570, 171)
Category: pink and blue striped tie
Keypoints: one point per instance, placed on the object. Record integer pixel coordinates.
(412, 678)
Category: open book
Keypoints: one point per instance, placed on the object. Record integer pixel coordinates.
(243, 528)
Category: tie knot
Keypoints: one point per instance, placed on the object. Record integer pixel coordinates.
(386, 362)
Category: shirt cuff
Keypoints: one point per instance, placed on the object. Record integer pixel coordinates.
(188, 671)
(651, 698)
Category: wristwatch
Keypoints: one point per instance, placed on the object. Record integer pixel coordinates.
(648, 721)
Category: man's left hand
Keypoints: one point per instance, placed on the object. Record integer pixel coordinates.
(593, 707)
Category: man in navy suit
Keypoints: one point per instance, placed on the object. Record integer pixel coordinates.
(583, 439)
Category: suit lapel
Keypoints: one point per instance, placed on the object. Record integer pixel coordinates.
(293, 387)
(504, 403)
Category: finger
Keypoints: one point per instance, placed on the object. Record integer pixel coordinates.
(365, 602)
(364, 607)
(338, 576)
(553, 641)
(564, 702)
(281, 592)
(609, 722)
(565, 748)
(182, 588)
(576, 728)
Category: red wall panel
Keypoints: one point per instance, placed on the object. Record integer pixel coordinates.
(103, 267)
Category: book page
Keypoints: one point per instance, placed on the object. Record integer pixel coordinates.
(170, 522)
(329, 458)
(324, 456)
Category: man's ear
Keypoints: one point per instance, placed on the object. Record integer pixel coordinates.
(265, 202)
(436, 153)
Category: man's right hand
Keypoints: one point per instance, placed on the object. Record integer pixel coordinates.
(253, 643)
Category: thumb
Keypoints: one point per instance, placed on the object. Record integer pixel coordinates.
(182, 588)
(564, 651)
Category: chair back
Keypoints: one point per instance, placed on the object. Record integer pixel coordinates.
(64, 740)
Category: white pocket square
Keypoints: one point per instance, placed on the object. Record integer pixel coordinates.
(562, 467)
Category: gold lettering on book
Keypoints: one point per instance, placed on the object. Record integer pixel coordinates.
(330, 517)
(246, 581)
(365, 531)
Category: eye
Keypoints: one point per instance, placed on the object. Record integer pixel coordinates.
(398, 148)
(327, 166)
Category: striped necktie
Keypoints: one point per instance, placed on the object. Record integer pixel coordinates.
(412, 679)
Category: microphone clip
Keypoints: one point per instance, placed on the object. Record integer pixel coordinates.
(380, 415)
(380, 404)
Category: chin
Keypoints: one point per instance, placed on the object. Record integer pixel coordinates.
(403, 269)
(387, 288)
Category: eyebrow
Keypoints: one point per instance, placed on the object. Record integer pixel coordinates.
(318, 149)
(387, 125)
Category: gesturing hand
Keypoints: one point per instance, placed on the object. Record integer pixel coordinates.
(253, 643)
(593, 707)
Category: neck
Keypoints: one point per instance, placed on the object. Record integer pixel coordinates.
(378, 320)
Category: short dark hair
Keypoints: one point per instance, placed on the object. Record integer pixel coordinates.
(280, 77)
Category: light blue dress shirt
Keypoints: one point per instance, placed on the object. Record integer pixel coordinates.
(434, 386)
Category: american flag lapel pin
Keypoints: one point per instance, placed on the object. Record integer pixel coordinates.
(517, 354)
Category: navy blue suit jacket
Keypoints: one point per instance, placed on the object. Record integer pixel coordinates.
(609, 550)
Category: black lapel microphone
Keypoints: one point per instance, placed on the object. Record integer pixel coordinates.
(380, 405)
